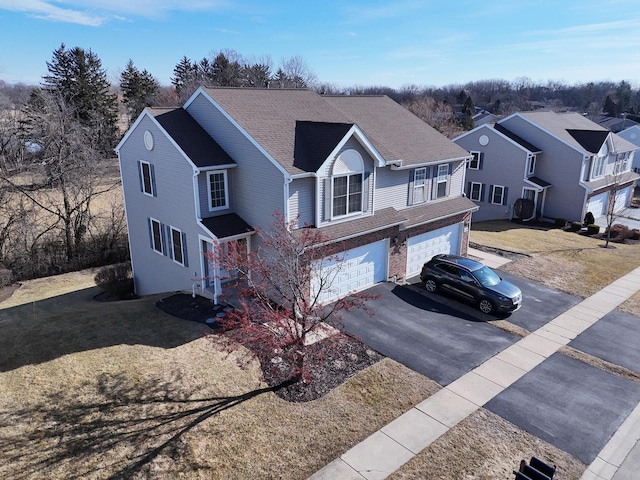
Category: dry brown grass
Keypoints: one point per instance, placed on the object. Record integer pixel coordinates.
(485, 447)
(566, 261)
(95, 390)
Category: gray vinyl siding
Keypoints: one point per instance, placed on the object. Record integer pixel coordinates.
(173, 206)
(258, 185)
(393, 186)
(301, 201)
(560, 165)
(203, 194)
(503, 163)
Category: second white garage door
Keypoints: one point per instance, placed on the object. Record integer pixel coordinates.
(359, 268)
(422, 247)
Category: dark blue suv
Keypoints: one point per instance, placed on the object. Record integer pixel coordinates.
(472, 281)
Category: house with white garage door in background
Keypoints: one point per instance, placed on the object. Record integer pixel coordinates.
(564, 162)
(363, 169)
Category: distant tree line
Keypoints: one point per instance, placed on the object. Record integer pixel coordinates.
(55, 136)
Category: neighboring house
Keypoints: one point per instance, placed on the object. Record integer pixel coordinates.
(632, 134)
(615, 124)
(384, 187)
(567, 164)
(481, 116)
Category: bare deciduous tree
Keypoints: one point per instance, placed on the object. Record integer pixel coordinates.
(280, 289)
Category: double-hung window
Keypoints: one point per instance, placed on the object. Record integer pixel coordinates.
(474, 163)
(218, 190)
(441, 180)
(157, 242)
(419, 185)
(147, 179)
(347, 194)
(497, 195)
(178, 247)
(347, 185)
(598, 166)
(475, 191)
(532, 165)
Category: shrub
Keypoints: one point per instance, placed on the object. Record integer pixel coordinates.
(635, 234)
(619, 231)
(575, 226)
(593, 229)
(117, 280)
(589, 219)
(561, 222)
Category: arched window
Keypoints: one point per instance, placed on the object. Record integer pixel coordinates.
(347, 174)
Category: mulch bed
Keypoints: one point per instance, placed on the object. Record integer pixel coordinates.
(196, 309)
(329, 362)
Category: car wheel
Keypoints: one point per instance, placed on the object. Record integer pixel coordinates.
(486, 306)
(431, 285)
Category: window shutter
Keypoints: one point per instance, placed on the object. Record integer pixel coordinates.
(469, 189)
(412, 174)
(327, 199)
(165, 243)
(140, 176)
(365, 192)
(152, 173)
(185, 258)
(480, 160)
(505, 191)
(490, 200)
(482, 190)
(150, 225)
(170, 242)
(449, 179)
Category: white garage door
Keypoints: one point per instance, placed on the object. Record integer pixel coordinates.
(422, 247)
(358, 268)
(622, 198)
(597, 204)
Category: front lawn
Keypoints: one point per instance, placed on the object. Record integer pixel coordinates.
(91, 389)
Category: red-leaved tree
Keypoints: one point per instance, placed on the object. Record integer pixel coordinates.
(278, 292)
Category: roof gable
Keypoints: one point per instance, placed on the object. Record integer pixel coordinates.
(590, 140)
(314, 142)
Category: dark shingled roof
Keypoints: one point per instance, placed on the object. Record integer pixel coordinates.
(314, 141)
(590, 140)
(521, 141)
(228, 225)
(539, 182)
(196, 143)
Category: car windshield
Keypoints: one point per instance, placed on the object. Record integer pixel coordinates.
(487, 277)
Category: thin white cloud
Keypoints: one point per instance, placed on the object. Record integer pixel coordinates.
(47, 11)
(97, 12)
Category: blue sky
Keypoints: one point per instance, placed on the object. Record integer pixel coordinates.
(346, 43)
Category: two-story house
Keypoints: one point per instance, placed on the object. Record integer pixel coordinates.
(567, 164)
(632, 135)
(381, 184)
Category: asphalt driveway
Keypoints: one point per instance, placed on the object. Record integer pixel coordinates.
(569, 404)
(441, 337)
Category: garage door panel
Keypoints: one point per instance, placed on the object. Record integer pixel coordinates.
(421, 248)
(597, 203)
(359, 268)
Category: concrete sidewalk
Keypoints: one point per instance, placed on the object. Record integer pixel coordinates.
(386, 450)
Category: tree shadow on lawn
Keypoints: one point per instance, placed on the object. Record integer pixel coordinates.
(41, 331)
(117, 433)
